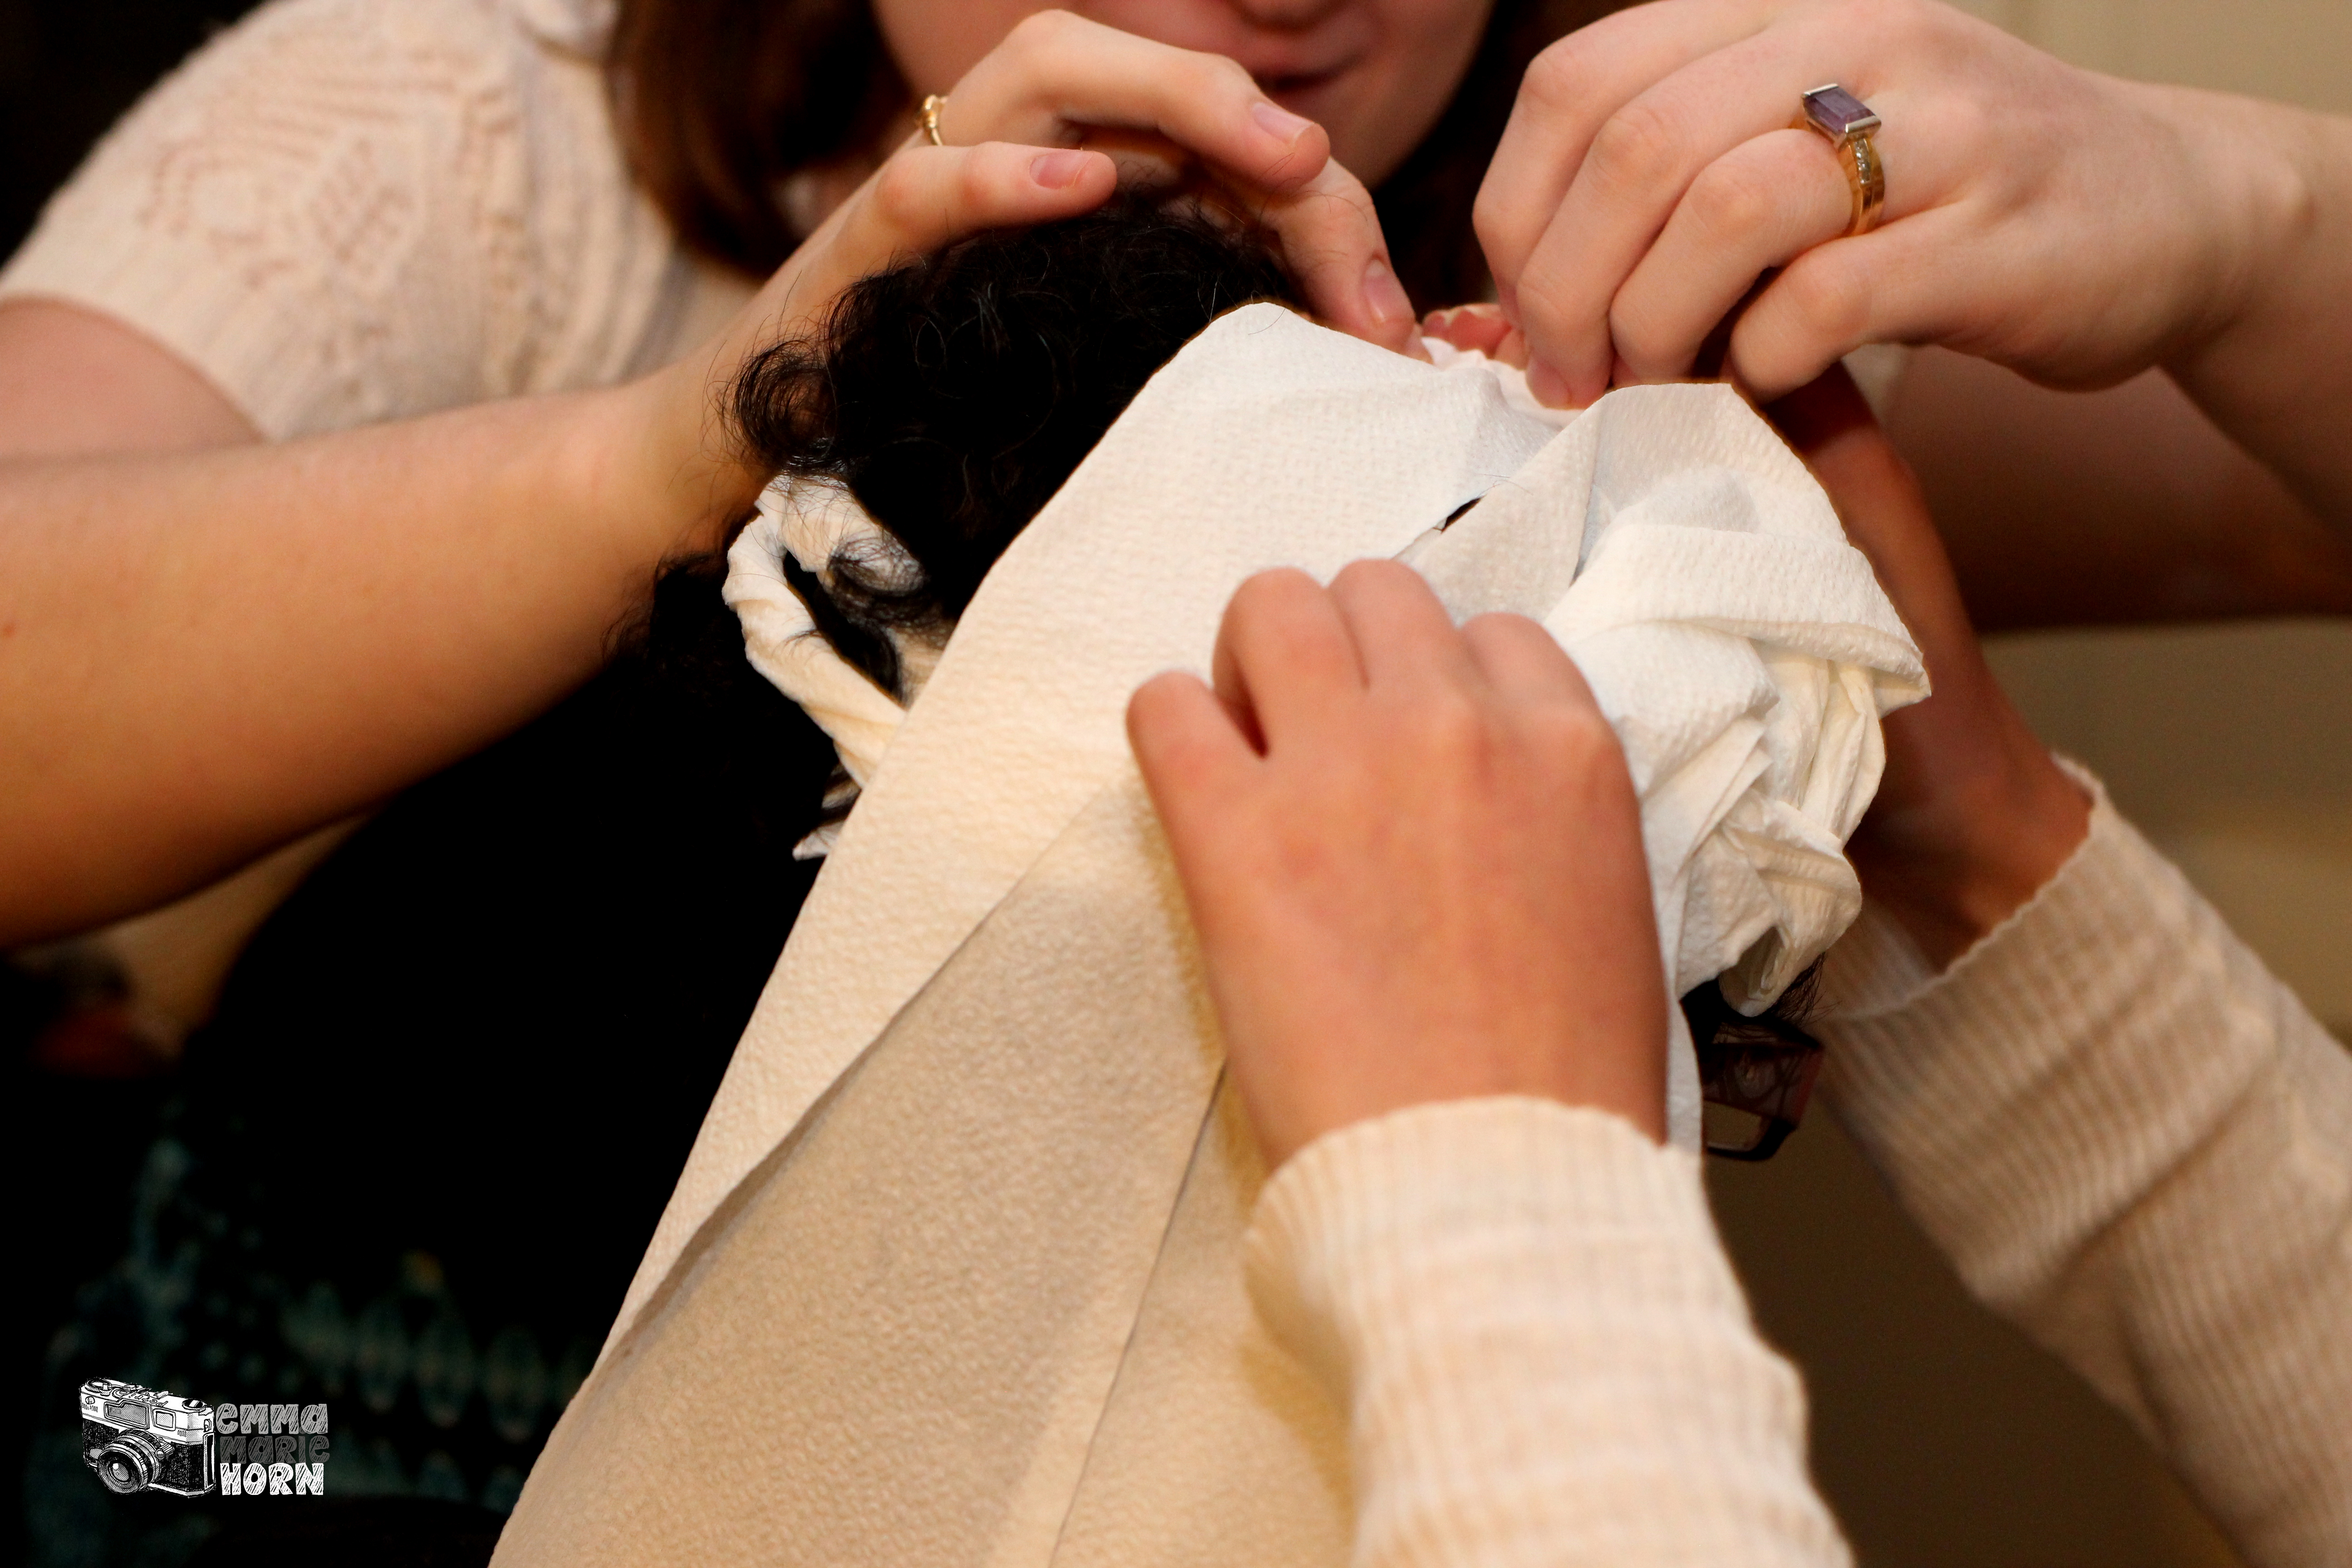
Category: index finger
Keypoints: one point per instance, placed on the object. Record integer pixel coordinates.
(1571, 89)
(1285, 658)
(1056, 77)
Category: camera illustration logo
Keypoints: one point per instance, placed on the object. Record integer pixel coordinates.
(138, 1440)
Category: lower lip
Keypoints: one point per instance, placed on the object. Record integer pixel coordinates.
(1293, 91)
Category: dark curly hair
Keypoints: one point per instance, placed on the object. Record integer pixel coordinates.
(953, 394)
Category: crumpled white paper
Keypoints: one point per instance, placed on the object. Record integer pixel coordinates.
(954, 1272)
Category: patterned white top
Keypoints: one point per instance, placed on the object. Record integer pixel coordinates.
(344, 211)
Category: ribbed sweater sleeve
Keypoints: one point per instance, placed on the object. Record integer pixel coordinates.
(2134, 1140)
(1543, 1352)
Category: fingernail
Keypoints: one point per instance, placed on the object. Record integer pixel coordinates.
(1549, 386)
(1279, 122)
(1438, 320)
(1057, 171)
(1384, 294)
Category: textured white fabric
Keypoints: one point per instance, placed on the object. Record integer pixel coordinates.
(341, 211)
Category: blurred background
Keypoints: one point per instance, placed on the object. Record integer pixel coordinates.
(1941, 1437)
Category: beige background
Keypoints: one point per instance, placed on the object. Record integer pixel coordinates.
(1942, 1437)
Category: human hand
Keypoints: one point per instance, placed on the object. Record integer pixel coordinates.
(1973, 816)
(1413, 857)
(2073, 227)
(1049, 125)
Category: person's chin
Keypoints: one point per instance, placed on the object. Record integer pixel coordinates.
(1352, 106)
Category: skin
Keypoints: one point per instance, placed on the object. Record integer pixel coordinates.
(2076, 228)
(1412, 852)
(405, 593)
(1375, 75)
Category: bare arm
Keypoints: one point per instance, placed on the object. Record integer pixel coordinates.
(208, 644)
(74, 383)
(396, 596)
(2076, 227)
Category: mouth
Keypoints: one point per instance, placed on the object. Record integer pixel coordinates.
(1289, 88)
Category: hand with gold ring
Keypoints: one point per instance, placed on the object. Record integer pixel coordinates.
(1165, 116)
(1662, 164)
(1047, 125)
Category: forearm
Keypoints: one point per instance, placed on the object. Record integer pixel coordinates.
(2269, 355)
(203, 655)
(2134, 1140)
(1543, 1353)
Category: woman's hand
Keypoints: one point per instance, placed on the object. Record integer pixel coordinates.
(1973, 816)
(2076, 227)
(1413, 857)
(1048, 126)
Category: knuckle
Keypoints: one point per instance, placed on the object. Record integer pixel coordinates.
(1559, 80)
(1823, 299)
(1275, 585)
(1221, 77)
(1041, 30)
(1644, 334)
(1636, 148)
(898, 195)
(1731, 197)
(1575, 742)
(1450, 727)
(974, 183)
(1493, 220)
(1371, 573)
(1271, 601)
(1553, 309)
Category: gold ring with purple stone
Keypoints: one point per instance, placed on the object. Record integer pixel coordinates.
(1847, 122)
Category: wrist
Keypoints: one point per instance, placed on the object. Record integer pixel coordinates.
(656, 459)
(1952, 867)
(2267, 351)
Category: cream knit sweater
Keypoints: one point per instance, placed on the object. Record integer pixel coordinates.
(344, 211)
(2128, 1135)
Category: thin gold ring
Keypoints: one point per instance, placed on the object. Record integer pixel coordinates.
(932, 104)
(1847, 122)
